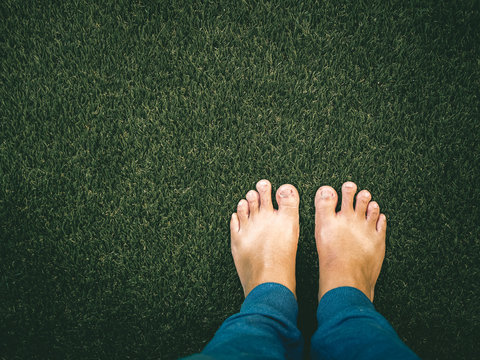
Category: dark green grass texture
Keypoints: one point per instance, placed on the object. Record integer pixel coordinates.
(131, 129)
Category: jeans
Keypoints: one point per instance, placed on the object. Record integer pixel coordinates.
(349, 327)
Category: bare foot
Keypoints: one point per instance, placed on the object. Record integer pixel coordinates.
(264, 240)
(350, 243)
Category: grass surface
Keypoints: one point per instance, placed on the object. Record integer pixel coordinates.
(130, 130)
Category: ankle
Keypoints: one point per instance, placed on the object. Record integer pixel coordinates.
(334, 281)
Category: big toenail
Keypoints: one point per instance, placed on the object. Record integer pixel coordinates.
(285, 193)
(325, 194)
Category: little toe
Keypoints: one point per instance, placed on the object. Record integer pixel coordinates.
(253, 202)
(234, 224)
(348, 191)
(288, 199)
(382, 224)
(242, 212)
(325, 203)
(265, 190)
(363, 198)
(373, 211)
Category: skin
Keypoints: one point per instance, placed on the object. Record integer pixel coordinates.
(350, 243)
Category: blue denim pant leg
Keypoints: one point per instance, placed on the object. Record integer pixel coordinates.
(265, 328)
(349, 327)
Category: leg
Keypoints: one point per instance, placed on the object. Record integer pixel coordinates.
(351, 249)
(264, 246)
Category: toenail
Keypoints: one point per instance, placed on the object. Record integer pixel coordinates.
(285, 193)
(262, 184)
(366, 194)
(240, 203)
(325, 194)
(375, 205)
(349, 185)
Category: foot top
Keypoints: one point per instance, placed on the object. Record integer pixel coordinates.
(350, 243)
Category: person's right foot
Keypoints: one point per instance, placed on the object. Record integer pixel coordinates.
(350, 243)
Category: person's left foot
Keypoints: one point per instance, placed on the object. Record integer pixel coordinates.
(264, 240)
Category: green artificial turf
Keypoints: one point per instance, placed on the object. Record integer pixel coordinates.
(129, 131)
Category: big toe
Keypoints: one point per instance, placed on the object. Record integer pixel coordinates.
(288, 199)
(325, 202)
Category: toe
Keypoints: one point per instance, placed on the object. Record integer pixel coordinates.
(363, 198)
(288, 199)
(265, 190)
(234, 224)
(325, 202)
(382, 224)
(348, 191)
(253, 202)
(242, 212)
(373, 211)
